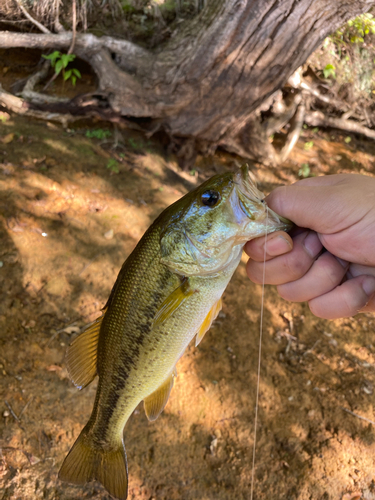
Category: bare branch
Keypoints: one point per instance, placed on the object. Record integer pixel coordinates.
(21, 107)
(318, 119)
(36, 78)
(30, 18)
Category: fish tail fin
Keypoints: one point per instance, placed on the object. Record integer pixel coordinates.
(86, 462)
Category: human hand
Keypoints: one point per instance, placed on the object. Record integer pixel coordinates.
(339, 214)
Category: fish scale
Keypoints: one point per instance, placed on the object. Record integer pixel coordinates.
(168, 291)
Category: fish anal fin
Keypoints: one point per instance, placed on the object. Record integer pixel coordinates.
(155, 403)
(87, 461)
(209, 319)
(81, 355)
(173, 302)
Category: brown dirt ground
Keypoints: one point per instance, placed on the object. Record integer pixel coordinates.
(67, 222)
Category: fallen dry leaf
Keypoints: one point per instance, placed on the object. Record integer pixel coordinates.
(6, 139)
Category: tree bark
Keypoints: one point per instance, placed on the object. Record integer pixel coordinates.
(207, 84)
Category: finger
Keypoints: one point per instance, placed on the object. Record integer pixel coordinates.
(345, 300)
(276, 243)
(290, 266)
(325, 274)
(318, 202)
(358, 270)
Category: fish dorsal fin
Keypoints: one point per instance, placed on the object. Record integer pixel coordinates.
(81, 356)
(155, 403)
(173, 302)
(206, 325)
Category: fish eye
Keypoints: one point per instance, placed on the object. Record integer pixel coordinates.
(210, 198)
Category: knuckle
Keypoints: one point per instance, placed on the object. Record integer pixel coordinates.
(254, 272)
(295, 268)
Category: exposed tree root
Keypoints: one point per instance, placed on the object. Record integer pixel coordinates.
(318, 119)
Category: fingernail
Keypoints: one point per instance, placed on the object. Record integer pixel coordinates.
(312, 244)
(368, 285)
(278, 245)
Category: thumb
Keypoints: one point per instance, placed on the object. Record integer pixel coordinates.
(324, 204)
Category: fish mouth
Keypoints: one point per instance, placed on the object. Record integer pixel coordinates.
(247, 191)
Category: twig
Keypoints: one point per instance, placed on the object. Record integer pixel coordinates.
(74, 7)
(358, 416)
(30, 18)
(312, 348)
(25, 407)
(11, 411)
(89, 263)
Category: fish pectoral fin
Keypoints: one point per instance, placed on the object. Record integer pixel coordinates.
(173, 302)
(209, 319)
(155, 403)
(81, 355)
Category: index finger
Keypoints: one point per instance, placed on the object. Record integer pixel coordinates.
(276, 244)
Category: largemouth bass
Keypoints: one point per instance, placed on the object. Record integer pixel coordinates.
(168, 292)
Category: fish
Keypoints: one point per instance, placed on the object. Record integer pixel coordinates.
(168, 292)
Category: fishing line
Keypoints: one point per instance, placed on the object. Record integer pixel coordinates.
(259, 358)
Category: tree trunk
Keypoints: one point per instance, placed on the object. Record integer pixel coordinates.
(207, 84)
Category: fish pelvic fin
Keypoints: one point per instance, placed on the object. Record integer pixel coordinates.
(82, 354)
(87, 461)
(209, 319)
(155, 403)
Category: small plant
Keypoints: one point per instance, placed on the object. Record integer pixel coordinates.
(361, 26)
(347, 139)
(112, 165)
(304, 171)
(60, 62)
(329, 70)
(134, 144)
(308, 145)
(98, 133)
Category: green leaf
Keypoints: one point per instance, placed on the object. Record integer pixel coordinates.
(67, 74)
(329, 70)
(52, 57)
(76, 72)
(347, 139)
(58, 66)
(74, 79)
(65, 60)
(308, 145)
